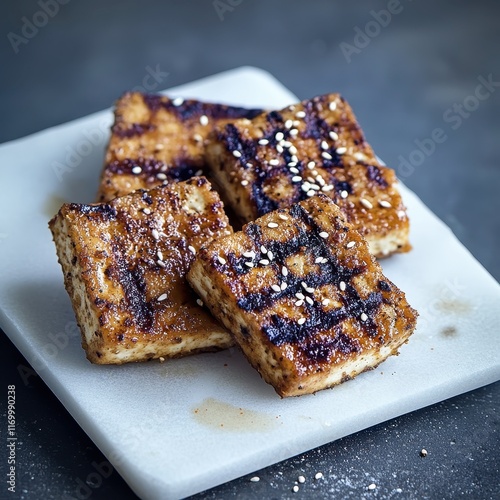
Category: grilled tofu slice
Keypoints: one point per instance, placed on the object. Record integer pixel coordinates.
(303, 297)
(155, 140)
(125, 265)
(286, 156)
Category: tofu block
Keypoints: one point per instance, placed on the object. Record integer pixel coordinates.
(304, 298)
(283, 157)
(157, 140)
(125, 264)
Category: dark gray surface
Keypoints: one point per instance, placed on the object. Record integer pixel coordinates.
(426, 61)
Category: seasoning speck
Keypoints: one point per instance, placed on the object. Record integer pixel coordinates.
(350, 244)
(323, 234)
(272, 225)
(236, 154)
(363, 317)
(192, 249)
(177, 101)
(136, 170)
(244, 183)
(423, 452)
(162, 297)
(367, 204)
(162, 359)
(222, 260)
(204, 120)
(384, 204)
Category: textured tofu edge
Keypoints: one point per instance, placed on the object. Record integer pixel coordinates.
(273, 371)
(85, 312)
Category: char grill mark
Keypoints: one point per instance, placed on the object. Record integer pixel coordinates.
(282, 330)
(192, 109)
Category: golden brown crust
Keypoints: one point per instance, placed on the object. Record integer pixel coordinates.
(124, 266)
(303, 296)
(156, 139)
(283, 157)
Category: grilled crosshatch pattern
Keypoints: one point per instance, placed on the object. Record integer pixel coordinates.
(282, 157)
(124, 266)
(304, 298)
(156, 140)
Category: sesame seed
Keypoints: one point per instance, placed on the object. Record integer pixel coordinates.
(344, 194)
(288, 124)
(161, 176)
(249, 255)
(311, 192)
(319, 475)
(309, 289)
(264, 262)
(363, 317)
(276, 288)
(294, 132)
(282, 216)
(300, 296)
(367, 204)
(147, 211)
(294, 158)
(198, 172)
(305, 186)
(293, 151)
(323, 234)
(198, 138)
(326, 156)
(274, 162)
(318, 260)
(293, 169)
(315, 187)
(279, 136)
(301, 321)
(295, 489)
(236, 154)
(160, 254)
(327, 188)
(384, 203)
(255, 479)
(177, 101)
(162, 359)
(249, 264)
(350, 244)
(136, 170)
(204, 120)
(341, 151)
(342, 285)
(359, 156)
(244, 182)
(325, 302)
(156, 234)
(423, 452)
(296, 123)
(161, 263)
(311, 165)
(159, 147)
(162, 234)
(192, 249)
(309, 300)
(222, 260)
(401, 214)
(284, 271)
(300, 114)
(199, 302)
(279, 148)
(296, 178)
(263, 249)
(372, 486)
(324, 145)
(270, 255)
(292, 164)
(284, 285)
(162, 297)
(248, 165)
(272, 225)
(299, 303)
(333, 135)
(333, 106)
(263, 142)
(301, 479)
(286, 144)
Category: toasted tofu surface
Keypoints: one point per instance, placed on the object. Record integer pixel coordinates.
(304, 298)
(157, 140)
(282, 157)
(125, 264)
